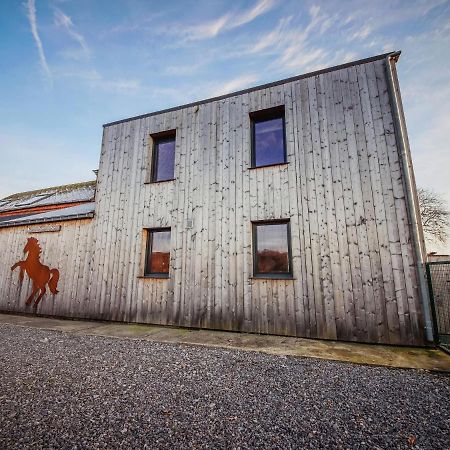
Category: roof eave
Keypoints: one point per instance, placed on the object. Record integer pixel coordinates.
(89, 215)
(393, 54)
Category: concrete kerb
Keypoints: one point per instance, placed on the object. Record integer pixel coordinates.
(431, 359)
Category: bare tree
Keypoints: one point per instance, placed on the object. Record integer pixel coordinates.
(435, 215)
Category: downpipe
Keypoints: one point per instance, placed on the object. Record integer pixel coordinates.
(411, 191)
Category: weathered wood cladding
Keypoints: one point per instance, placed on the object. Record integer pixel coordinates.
(355, 277)
(67, 250)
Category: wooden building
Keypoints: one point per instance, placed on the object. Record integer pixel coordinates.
(288, 208)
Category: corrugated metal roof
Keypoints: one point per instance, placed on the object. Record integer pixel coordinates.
(84, 210)
(31, 200)
(70, 193)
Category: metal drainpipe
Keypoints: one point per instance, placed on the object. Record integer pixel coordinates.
(411, 192)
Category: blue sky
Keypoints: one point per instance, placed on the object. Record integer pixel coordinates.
(67, 67)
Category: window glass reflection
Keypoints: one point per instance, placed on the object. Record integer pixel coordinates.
(159, 257)
(269, 142)
(165, 160)
(272, 252)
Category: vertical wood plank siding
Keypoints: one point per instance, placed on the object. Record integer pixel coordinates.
(65, 250)
(354, 272)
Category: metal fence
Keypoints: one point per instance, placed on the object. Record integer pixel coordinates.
(438, 273)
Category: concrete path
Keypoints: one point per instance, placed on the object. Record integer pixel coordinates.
(379, 355)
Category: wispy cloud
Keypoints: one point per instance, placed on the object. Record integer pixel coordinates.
(296, 44)
(273, 38)
(226, 22)
(31, 12)
(64, 21)
(362, 33)
(295, 50)
(181, 70)
(207, 29)
(235, 84)
(96, 80)
(120, 86)
(129, 27)
(389, 14)
(299, 57)
(251, 14)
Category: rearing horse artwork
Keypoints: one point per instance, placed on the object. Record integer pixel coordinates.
(40, 275)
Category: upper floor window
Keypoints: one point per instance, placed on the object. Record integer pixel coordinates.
(268, 137)
(163, 165)
(272, 249)
(157, 258)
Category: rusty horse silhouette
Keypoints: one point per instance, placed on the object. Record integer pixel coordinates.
(40, 275)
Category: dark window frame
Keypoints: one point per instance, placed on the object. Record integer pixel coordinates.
(275, 275)
(157, 138)
(149, 251)
(262, 116)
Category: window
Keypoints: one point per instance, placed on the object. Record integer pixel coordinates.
(163, 166)
(268, 137)
(157, 259)
(272, 249)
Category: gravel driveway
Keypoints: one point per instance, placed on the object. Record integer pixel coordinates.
(64, 391)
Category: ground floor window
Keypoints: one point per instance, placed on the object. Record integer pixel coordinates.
(272, 249)
(157, 258)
